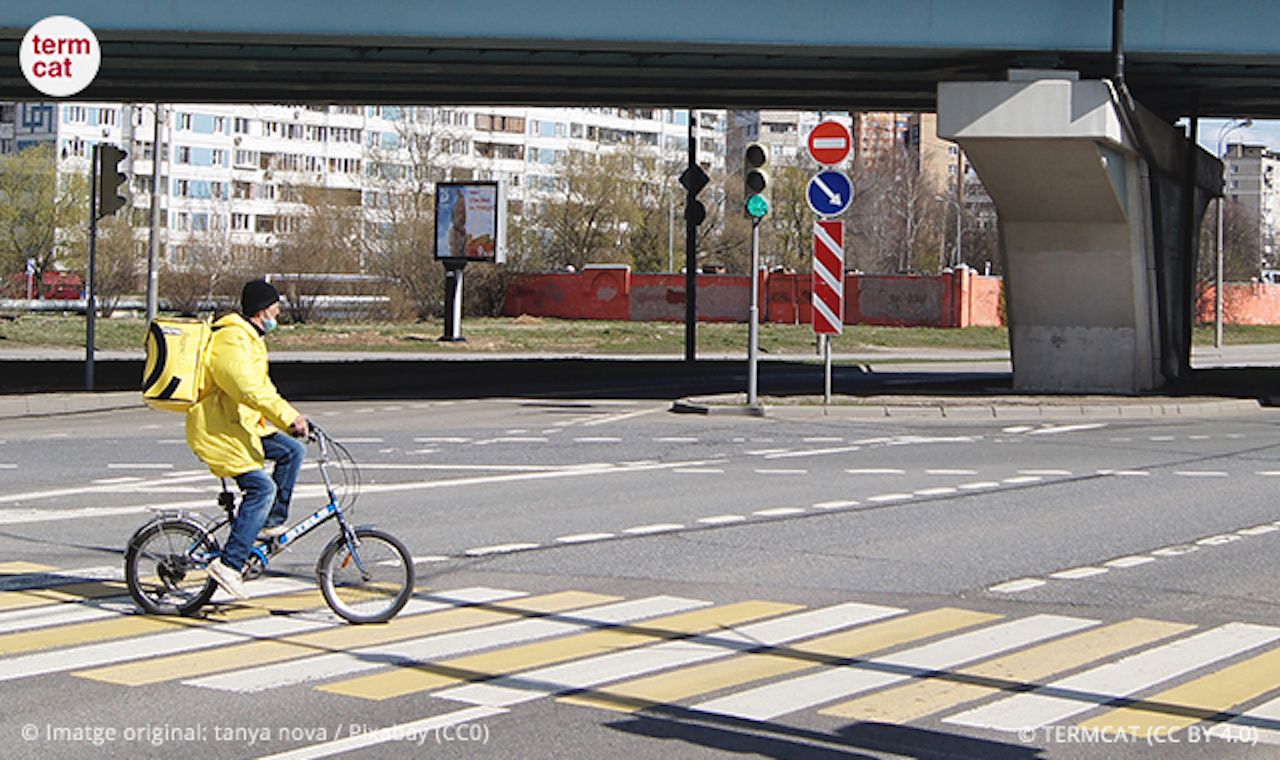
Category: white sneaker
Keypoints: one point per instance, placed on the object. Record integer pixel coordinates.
(228, 578)
(272, 532)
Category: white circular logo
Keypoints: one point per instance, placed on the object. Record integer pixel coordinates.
(60, 56)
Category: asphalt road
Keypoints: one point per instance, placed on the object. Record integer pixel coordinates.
(643, 584)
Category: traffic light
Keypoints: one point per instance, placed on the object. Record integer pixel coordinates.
(111, 180)
(755, 180)
(694, 179)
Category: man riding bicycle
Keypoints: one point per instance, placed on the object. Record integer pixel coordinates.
(236, 427)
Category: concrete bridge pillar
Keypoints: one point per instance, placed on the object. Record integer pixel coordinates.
(1097, 283)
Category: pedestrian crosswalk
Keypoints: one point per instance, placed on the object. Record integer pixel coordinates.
(491, 649)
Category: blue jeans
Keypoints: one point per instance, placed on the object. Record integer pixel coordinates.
(266, 499)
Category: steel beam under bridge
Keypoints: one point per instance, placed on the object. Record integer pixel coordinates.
(830, 54)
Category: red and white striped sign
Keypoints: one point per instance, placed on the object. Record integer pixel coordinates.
(828, 277)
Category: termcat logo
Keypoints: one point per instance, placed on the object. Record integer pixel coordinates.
(60, 56)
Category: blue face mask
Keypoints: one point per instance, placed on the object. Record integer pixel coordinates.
(268, 324)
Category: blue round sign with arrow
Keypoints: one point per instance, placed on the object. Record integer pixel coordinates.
(830, 193)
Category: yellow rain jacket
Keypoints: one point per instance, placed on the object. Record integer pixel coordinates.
(241, 405)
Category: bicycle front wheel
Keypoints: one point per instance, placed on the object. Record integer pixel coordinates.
(165, 567)
(368, 581)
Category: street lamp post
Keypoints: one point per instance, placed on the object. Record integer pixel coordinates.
(1225, 130)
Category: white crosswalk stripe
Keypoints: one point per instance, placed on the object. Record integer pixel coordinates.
(192, 639)
(1071, 696)
(830, 684)
(593, 671)
(442, 645)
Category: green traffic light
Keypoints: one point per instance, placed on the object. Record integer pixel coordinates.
(757, 206)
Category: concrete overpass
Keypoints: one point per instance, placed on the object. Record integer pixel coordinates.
(828, 54)
(1100, 197)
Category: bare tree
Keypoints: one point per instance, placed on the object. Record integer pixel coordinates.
(896, 222)
(399, 236)
(118, 263)
(324, 240)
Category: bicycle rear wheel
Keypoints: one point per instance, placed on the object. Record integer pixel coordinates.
(371, 585)
(165, 567)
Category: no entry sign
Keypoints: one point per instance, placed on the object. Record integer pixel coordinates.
(828, 277)
(830, 143)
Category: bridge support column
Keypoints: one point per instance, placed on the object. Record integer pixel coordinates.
(1097, 282)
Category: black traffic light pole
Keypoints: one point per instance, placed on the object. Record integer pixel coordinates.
(105, 181)
(90, 310)
(691, 252)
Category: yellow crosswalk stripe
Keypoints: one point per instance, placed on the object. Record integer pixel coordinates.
(330, 640)
(1195, 701)
(409, 680)
(71, 592)
(22, 568)
(667, 688)
(922, 698)
(140, 625)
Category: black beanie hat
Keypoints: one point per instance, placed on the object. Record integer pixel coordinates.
(256, 296)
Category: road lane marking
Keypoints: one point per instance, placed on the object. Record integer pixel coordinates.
(427, 676)
(676, 439)
(139, 466)
(875, 471)
(978, 486)
(644, 530)
(13, 516)
(1023, 479)
(528, 685)
(619, 417)
(485, 551)
(837, 504)
(1020, 584)
(904, 704)
(827, 685)
(766, 471)
(1085, 691)
(939, 491)
(812, 452)
(1045, 473)
(436, 647)
(888, 497)
(779, 512)
(1077, 573)
(698, 471)
(1201, 474)
(722, 519)
(951, 472)
(401, 732)
(1068, 428)
(1127, 562)
(668, 688)
(581, 538)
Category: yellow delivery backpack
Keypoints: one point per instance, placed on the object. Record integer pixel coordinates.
(173, 376)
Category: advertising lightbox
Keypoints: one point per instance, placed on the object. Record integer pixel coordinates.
(471, 221)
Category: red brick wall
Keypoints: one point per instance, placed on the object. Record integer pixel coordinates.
(955, 299)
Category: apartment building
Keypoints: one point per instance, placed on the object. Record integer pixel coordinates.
(1252, 180)
(235, 169)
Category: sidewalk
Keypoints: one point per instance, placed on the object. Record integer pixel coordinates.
(474, 373)
(966, 407)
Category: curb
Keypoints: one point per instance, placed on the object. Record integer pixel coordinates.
(975, 411)
(683, 406)
(54, 404)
